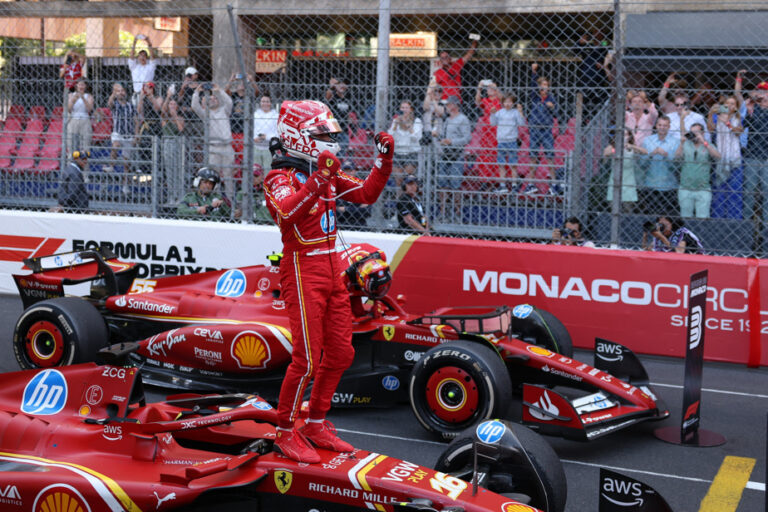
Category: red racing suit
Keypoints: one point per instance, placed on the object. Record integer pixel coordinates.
(303, 206)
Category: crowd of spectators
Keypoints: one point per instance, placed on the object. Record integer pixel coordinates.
(689, 153)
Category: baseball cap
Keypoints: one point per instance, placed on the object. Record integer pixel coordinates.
(410, 179)
(190, 71)
(454, 99)
(763, 86)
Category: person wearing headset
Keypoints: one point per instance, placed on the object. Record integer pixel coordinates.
(410, 212)
(204, 201)
(73, 195)
(301, 192)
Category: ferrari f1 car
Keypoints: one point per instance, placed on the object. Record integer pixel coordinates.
(83, 438)
(227, 330)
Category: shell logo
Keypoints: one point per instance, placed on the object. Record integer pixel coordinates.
(60, 498)
(250, 350)
(540, 351)
(516, 507)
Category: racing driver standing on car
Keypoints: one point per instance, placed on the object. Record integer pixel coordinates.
(301, 192)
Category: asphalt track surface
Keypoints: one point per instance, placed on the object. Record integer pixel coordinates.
(734, 404)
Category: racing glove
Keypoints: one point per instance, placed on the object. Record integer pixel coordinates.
(385, 145)
(328, 165)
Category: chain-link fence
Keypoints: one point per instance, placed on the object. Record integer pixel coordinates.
(506, 115)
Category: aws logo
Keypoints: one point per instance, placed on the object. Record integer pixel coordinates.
(250, 350)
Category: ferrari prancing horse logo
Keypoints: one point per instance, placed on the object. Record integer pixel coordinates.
(389, 332)
(283, 480)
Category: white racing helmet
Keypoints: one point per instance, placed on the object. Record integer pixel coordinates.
(307, 128)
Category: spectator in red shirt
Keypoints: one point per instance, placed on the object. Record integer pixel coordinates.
(72, 69)
(448, 76)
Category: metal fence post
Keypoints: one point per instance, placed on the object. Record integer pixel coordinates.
(619, 104)
(382, 92)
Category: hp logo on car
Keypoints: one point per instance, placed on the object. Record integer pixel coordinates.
(390, 382)
(522, 311)
(490, 432)
(231, 284)
(45, 394)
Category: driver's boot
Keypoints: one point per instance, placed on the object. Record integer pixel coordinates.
(292, 444)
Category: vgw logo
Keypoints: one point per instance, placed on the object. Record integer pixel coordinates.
(45, 394)
(231, 284)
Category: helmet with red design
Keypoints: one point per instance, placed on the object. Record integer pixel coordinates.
(369, 271)
(306, 128)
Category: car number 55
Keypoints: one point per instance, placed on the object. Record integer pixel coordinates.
(143, 286)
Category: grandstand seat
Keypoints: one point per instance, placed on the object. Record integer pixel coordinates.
(50, 152)
(37, 111)
(57, 112)
(17, 111)
(8, 138)
(102, 125)
(25, 155)
(56, 126)
(34, 126)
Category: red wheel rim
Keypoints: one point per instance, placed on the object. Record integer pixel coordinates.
(44, 344)
(452, 394)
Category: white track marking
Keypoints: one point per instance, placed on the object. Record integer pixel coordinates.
(755, 486)
(710, 390)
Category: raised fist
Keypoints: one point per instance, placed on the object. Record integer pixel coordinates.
(385, 144)
(327, 164)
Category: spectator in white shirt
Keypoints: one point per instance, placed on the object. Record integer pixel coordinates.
(142, 67)
(682, 110)
(264, 128)
(406, 129)
(508, 121)
(215, 109)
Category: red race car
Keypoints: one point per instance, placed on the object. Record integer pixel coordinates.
(227, 330)
(83, 439)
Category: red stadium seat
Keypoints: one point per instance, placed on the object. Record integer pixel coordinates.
(28, 149)
(17, 111)
(37, 111)
(57, 112)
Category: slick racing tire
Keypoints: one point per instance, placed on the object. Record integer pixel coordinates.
(542, 328)
(457, 384)
(509, 477)
(58, 332)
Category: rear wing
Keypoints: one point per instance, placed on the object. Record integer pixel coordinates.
(108, 275)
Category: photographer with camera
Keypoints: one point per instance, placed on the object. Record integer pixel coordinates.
(695, 194)
(72, 69)
(572, 233)
(668, 234)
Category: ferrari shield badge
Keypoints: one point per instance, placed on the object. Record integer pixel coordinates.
(389, 332)
(283, 480)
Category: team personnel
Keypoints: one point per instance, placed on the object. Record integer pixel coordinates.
(301, 192)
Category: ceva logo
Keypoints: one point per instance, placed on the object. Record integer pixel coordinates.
(45, 394)
(231, 283)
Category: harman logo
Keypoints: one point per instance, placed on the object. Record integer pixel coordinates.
(45, 394)
(232, 283)
(390, 383)
(545, 404)
(250, 350)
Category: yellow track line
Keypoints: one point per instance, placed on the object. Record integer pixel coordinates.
(725, 492)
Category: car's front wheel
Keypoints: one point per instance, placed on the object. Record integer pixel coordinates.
(455, 385)
(535, 477)
(58, 332)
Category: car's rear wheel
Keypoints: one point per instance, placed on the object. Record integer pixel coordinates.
(457, 384)
(542, 328)
(58, 332)
(512, 477)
